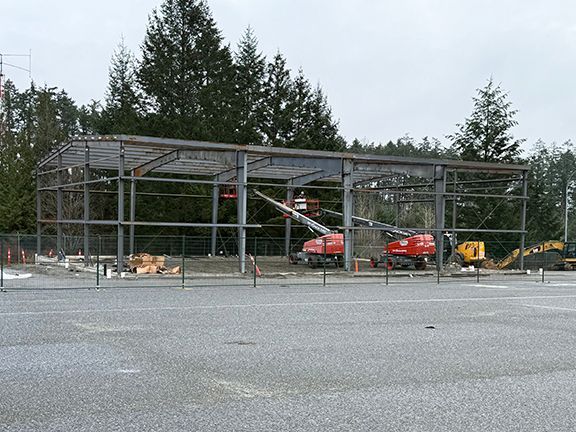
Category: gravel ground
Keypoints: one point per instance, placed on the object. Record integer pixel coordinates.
(363, 357)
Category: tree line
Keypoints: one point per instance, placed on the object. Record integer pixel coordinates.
(186, 82)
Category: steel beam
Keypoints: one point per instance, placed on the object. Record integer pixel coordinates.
(86, 204)
(424, 171)
(226, 176)
(347, 211)
(215, 202)
(132, 213)
(242, 200)
(224, 157)
(151, 223)
(454, 214)
(38, 216)
(120, 222)
(59, 198)
(309, 178)
(440, 209)
(523, 218)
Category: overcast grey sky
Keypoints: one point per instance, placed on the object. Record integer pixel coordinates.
(389, 68)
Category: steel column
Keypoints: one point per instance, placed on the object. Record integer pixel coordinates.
(454, 214)
(288, 235)
(242, 200)
(59, 198)
(215, 202)
(120, 245)
(132, 213)
(86, 204)
(440, 209)
(347, 211)
(523, 218)
(38, 217)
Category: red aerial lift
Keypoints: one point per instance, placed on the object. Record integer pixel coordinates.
(413, 250)
(328, 248)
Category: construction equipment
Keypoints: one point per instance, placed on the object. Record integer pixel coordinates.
(309, 207)
(413, 250)
(326, 249)
(471, 253)
(555, 255)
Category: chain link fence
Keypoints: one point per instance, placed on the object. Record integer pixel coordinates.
(187, 262)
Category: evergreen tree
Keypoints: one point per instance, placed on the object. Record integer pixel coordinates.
(250, 68)
(123, 105)
(323, 131)
(186, 73)
(90, 119)
(277, 87)
(486, 134)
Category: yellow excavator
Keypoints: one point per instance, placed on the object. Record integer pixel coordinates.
(550, 254)
(554, 255)
(471, 253)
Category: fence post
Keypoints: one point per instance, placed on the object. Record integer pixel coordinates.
(18, 247)
(254, 265)
(544, 266)
(183, 272)
(98, 252)
(324, 276)
(1, 263)
(386, 262)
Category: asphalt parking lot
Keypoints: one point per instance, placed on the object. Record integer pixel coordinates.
(457, 356)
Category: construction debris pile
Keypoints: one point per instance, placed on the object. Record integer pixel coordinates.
(143, 263)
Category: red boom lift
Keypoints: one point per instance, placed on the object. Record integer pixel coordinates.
(413, 250)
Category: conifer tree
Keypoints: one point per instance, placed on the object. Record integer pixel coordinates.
(486, 135)
(186, 72)
(250, 68)
(277, 87)
(123, 105)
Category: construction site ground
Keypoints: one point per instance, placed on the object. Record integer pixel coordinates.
(225, 271)
(408, 356)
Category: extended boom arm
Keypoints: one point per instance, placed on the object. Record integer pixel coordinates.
(391, 229)
(312, 224)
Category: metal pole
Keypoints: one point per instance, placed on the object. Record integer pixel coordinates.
(324, 280)
(132, 213)
(348, 209)
(38, 216)
(242, 199)
(215, 196)
(440, 203)
(182, 272)
(454, 214)
(99, 251)
(86, 204)
(254, 266)
(386, 263)
(120, 243)
(544, 266)
(478, 262)
(59, 199)
(18, 253)
(523, 218)
(288, 223)
(1, 263)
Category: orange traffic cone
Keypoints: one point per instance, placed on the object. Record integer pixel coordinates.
(356, 265)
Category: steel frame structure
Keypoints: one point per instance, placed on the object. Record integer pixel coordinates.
(132, 158)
